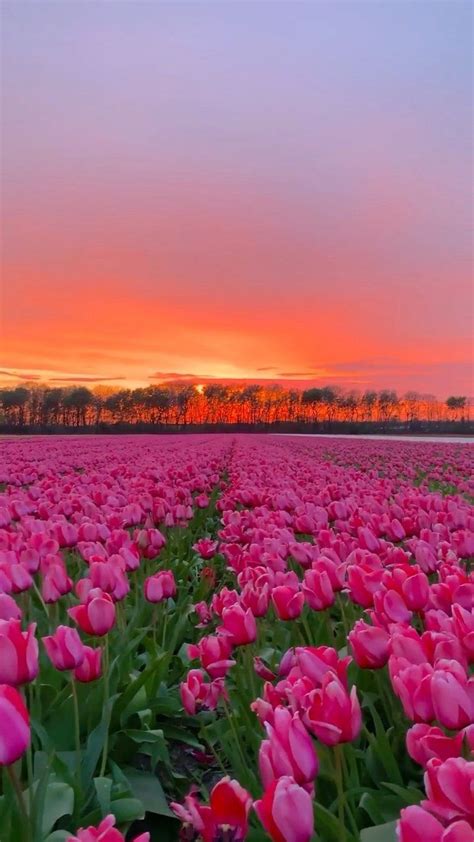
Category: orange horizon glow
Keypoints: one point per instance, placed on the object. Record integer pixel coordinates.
(199, 195)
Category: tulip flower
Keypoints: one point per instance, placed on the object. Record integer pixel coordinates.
(14, 725)
(18, 653)
(332, 714)
(104, 832)
(289, 750)
(56, 583)
(159, 587)
(288, 603)
(9, 609)
(370, 645)
(214, 652)
(206, 548)
(449, 786)
(315, 661)
(90, 669)
(227, 813)
(238, 625)
(317, 590)
(453, 696)
(286, 811)
(97, 615)
(417, 825)
(64, 648)
(424, 742)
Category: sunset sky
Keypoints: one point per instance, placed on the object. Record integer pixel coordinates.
(237, 190)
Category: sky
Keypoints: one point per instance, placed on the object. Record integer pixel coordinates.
(249, 190)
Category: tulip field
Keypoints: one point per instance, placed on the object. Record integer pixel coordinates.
(219, 638)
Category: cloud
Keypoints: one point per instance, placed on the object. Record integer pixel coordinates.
(18, 376)
(267, 368)
(85, 379)
(177, 375)
(296, 374)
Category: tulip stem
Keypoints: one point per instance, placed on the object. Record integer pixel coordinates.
(77, 733)
(165, 621)
(338, 749)
(106, 704)
(20, 797)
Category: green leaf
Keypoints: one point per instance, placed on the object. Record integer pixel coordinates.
(380, 833)
(408, 795)
(148, 789)
(127, 810)
(327, 825)
(59, 801)
(58, 836)
(103, 788)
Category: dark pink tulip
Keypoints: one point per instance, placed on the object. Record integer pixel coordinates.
(18, 653)
(193, 691)
(97, 615)
(238, 625)
(412, 684)
(159, 587)
(206, 548)
(90, 669)
(20, 578)
(364, 581)
(370, 645)
(289, 750)
(256, 598)
(425, 741)
(286, 811)
(204, 614)
(65, 648)
(14, 725)
(316, 661)
(332, 714)
(262, 670)
(417, 825)
(9, 609)
(317, 590)
(453, 695)
(288, 603)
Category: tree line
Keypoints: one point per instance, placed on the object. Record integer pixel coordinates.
(179, 405)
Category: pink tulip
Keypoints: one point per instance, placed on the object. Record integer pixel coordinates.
(449, 786)
(416, 825)
(424, 742)
(14, 725)
(159, 587)
(286, 811)
(317, 589)
(104, 832)
(90, 669)
(316, 661)
(238, 625)
(453, 696)
(56, 583)
(288, 750)
(332, 714)
(18, 653)
(370, 645)
(97, 615)
(9, 609)
(65, 648)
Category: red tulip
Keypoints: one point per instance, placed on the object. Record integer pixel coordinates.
(18, 653)
(286, 811)
(14, 725)
(97, 615)
(227, 813)
(214, 652)
(90, 669)
(104, 832)
(65, 648)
